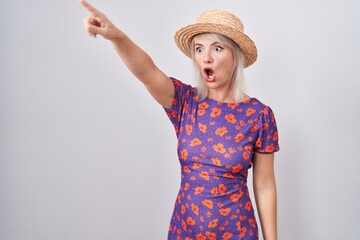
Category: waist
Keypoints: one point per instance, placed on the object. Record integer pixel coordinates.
(213, 186)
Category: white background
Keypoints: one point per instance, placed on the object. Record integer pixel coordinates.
(85, 153)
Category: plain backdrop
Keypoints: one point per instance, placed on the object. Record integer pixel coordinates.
(87, 154)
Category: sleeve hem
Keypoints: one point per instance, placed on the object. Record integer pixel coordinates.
(268, 152)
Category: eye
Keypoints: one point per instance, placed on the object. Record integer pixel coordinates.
(198, 49)
(218, 49)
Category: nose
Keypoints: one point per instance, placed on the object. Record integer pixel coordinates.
(207, 57)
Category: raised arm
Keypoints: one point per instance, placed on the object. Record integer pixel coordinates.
(265, 194)
(138, 62)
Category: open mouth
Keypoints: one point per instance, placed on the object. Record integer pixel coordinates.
(209, 75)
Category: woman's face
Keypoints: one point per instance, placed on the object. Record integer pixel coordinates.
(215, 61)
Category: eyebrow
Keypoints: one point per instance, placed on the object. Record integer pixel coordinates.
(212, 44)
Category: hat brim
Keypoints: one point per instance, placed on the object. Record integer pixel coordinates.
(183, 38)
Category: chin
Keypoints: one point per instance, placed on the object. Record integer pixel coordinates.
(212, 85)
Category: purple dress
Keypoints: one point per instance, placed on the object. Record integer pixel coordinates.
(216, 143)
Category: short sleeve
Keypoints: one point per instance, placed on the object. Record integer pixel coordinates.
(268, 139)
(180, 101)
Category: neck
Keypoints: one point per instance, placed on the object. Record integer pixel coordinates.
(221, 96)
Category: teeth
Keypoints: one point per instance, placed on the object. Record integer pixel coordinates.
(209, 73)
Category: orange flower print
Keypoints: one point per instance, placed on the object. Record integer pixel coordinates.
(250, 111)
(246, 155)
(195, 209)
(237, 168)
(186, 169)
(219, 205)
(239, 137)
(222, 188)
(243, 232)
(188, 129)
(270, 148)
(248, 206)
(213, 223)
(232, 150)
(203, 149)
(197, 165)
(216, 161)
(228, 175)
(258, 143)
(265, 126)
(201, 112)
(195, 142)
(174, 113)
(252, 222)
(183, 154)
(230, 118)
(198, 190)
(221, 131)
(238, 226)
(255, 127)
(232, 105)
(204, 105)
(224, 211)
(211, 235)
(183, 224)
(187, 238)
(248, 148)
(202, 127)
(235, 197)
(187, 185)
(266, 111)
(204, 175)
(275, 137)
(215, 112)
(199, 236)
(219, 148)
(227, 235)
(183, 209)
(208, 203)
(190, 221)
(214, 191)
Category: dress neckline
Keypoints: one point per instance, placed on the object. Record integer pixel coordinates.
(250, 99)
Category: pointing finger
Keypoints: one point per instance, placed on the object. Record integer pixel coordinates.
(90, 8)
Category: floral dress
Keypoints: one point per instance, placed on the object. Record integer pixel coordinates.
(216, 143)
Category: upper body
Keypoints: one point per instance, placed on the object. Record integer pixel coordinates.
(217, 63)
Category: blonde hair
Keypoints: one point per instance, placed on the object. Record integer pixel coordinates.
(238, 77)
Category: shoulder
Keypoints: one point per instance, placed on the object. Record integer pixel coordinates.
(182, 88)
(255, 105)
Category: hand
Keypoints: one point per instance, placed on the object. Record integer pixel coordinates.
(97, 23)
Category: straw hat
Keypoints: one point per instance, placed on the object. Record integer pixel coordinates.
(221, 22)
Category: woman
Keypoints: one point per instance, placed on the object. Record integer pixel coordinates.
(221, 131)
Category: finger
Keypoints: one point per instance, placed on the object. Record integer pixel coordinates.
(91, 25)
(95, 21)
(90, 8)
